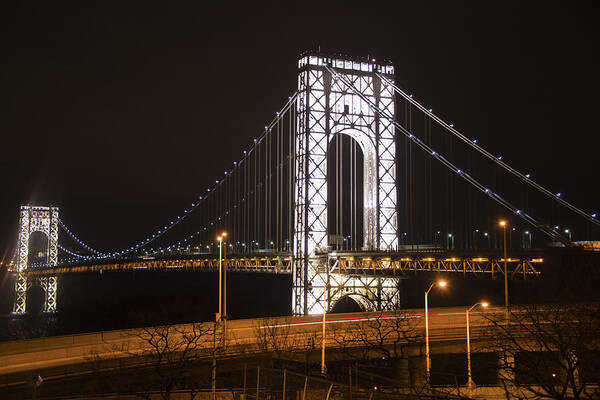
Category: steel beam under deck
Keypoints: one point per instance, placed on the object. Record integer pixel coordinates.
(257, 264)
(406, 264)
(345, 263)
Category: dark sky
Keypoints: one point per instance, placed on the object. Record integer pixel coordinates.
(122, 114)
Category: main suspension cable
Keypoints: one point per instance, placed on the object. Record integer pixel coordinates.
(448, 164)
(77, 240)
(498, 160)
(175, 221)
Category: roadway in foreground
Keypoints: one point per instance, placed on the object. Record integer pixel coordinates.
(38, 354)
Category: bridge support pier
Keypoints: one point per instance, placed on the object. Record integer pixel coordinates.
(49, 284)
(325, 109)
(370, 292)
(20, 293)
(36, 219)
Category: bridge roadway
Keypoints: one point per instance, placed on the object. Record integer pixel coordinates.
(520, 264)
(447, 328)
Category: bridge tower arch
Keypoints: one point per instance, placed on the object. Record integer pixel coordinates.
(44, 220)
(363, 302)
(327, 107)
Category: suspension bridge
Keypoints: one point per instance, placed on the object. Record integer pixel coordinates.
(352, 186)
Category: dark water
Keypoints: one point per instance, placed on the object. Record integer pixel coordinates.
(94, 302)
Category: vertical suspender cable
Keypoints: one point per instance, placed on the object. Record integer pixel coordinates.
(291, 184)
(410, 186)
(406, 176)
(281, 180)
(266, 195)
(271, 178)
(255, 219)
(247, 204)
(269, 189)
(429, 186)
(355, 207)
(341, 185)
(426, 189)
(337, 184)
(277, 190)
(350, 246)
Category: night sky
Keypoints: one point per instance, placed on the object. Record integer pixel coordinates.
(123, 114)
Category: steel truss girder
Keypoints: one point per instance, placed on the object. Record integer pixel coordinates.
(386, 266)
(36, 219)
(364, 265)
(257, 264)
(325, 108)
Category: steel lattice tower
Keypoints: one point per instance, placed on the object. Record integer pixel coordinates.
(44, 220)
(327, 107)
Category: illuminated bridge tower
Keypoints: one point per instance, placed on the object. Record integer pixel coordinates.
(43, 223)
(327, 107)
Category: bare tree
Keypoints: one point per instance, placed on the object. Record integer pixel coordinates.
(381, 336)
(548, 351)
(275, 336)
(173, 352)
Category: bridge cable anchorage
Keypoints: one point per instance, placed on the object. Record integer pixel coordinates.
(498, 160)
(175, 221)
(77, 240)
(521, 214)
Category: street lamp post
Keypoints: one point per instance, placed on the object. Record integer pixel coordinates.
(503, 225)
(224, 235)
(470, 380)
(325, 301)
(219, 317)
(220, 314)
(428, 360)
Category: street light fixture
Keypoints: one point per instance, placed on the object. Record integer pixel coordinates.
(470, 380)
(503, 225)
(428, 360)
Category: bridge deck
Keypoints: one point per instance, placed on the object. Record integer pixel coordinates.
(347, 263)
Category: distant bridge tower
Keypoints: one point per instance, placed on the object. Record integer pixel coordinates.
(326, 107)
(32, 220)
